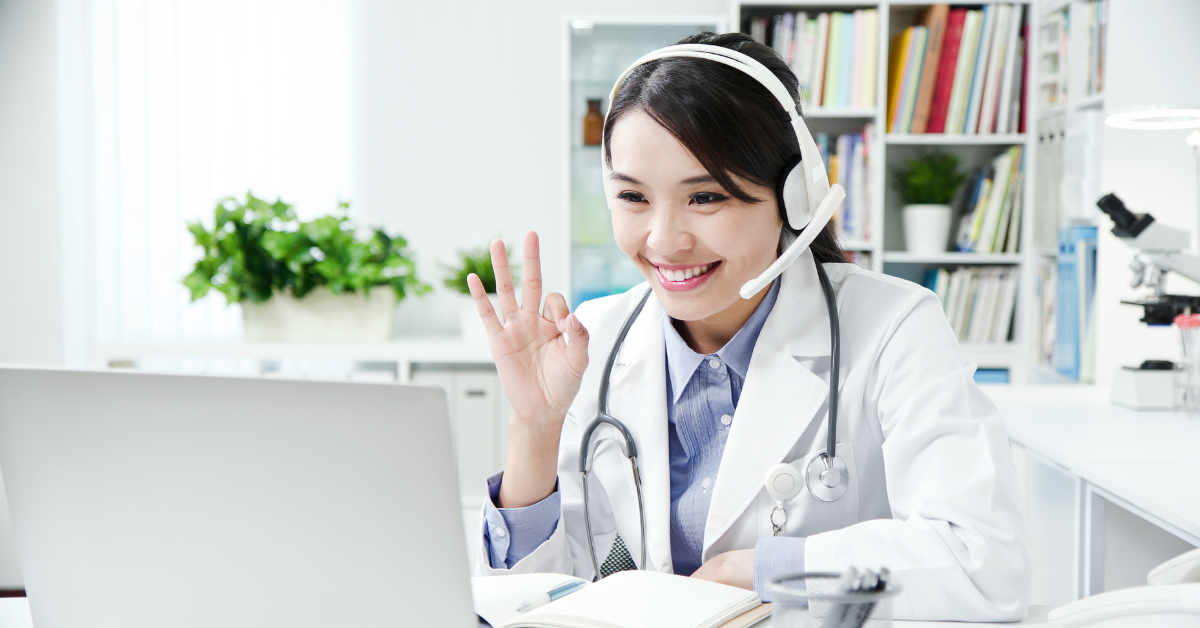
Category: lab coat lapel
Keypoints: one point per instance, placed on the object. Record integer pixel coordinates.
(638, 398)
(779, 400)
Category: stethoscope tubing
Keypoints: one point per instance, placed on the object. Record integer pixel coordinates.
(630, 449)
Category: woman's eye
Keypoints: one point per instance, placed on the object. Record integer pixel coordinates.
(631, 197)
(704, 198)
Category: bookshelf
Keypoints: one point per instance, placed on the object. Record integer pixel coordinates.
(885, 244)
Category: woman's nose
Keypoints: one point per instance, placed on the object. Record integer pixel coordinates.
(669, 233)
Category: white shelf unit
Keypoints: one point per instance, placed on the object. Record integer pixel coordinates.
(886, 243)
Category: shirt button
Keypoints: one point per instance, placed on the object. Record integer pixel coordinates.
(726, 419)
(706, 483)
(500, 532)
(714, 363)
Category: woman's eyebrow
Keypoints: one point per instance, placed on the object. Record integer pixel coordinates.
(704, 178)
(617, 176)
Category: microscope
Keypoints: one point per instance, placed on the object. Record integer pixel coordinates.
(1151, 386)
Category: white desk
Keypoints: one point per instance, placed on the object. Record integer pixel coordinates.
(1145, 462)
(14, 613)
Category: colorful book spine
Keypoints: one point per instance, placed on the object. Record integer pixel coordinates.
(916, 61)
(979, 69)
(820, 51)
(846, 58)
(945, 73)
(962, 73)
(935, 22)
(897, 62)
(833, 62)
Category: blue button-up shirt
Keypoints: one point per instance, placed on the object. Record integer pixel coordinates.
(703, 391)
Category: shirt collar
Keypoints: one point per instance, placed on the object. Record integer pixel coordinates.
(682, 361)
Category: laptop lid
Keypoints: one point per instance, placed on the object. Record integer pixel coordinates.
(147, 500)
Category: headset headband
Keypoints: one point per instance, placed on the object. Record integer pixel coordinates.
(815, 199)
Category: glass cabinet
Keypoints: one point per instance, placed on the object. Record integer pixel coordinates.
(599, 51)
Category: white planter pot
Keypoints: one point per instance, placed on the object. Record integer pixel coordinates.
(321, 316)
(927, 228)
(470, 324)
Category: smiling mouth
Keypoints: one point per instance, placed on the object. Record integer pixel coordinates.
(681, 275)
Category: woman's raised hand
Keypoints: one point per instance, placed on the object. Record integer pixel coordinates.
(541, 357)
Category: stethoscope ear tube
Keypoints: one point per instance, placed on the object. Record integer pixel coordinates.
(630, 449)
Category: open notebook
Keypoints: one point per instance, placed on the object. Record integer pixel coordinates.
(628, 599)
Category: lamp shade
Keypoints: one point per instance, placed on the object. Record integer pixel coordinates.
(1155, 118)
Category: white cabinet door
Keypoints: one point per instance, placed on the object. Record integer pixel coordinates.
(479, 415)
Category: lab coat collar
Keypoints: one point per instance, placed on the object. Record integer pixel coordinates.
(780, 400)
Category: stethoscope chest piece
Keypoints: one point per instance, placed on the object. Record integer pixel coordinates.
(827, 478)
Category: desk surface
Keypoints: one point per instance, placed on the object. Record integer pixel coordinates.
(1148, 459)
(14, 613)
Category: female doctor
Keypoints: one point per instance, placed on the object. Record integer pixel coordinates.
(716, 390)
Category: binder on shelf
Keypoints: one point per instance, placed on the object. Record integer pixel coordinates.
(1075, 293)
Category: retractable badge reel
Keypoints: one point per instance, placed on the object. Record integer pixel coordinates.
(783, 482)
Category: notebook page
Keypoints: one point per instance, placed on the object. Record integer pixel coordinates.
(646, 599)
(496, 598)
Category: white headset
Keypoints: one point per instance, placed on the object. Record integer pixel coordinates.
(804, 192)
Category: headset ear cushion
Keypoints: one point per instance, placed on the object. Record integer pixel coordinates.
(792, 195)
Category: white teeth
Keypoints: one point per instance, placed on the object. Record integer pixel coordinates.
(683, 274)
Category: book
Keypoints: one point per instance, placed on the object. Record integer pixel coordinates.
(944, 81)
(856, 50)
(896, 63)
(846, 58)
(870, 57)
(1024, 82)
(956, 113)
(1014, 227)
(1008, 303)
(627, 599)
(784, 44)
(916, 60)
(833, 62)
(995, 202)
(802, 64)
(979, 69)
(995, 70)
(1011, 69)
(819, 53)
(935, 22)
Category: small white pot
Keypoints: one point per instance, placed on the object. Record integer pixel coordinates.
(926, 228)
(321, 316)
(470, 324)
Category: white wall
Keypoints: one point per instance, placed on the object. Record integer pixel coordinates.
(30, 319)
(1153, 60)
(457, 127)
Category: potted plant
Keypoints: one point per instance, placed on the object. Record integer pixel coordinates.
(926, 186)
(321, 280)
(478, 261)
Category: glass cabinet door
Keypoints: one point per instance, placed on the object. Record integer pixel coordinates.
(599, 53)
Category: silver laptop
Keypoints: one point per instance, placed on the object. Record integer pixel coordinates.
(144, 500)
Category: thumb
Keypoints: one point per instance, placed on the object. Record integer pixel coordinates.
(577, 343)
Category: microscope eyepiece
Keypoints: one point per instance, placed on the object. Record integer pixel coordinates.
(1126, 224)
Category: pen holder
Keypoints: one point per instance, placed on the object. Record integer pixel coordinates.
(810, 600)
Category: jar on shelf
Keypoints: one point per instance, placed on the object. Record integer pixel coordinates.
(593, 123)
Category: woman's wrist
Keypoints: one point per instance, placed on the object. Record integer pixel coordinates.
(531, 469)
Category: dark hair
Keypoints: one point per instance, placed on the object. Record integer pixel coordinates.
(725, 118)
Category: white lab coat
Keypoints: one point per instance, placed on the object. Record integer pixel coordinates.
(933, 493)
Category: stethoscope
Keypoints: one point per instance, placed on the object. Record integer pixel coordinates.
(808, 201)
(825, 475)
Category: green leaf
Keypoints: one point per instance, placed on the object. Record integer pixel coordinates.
(257, 248)
(932, 177)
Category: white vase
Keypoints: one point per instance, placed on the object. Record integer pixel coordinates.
(321, 316)
(926, 228)
(470, 325)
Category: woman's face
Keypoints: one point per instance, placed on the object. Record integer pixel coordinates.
(694, 242)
